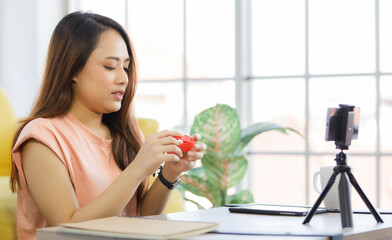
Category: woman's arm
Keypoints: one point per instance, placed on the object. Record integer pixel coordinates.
(53, 192)
(158, 195)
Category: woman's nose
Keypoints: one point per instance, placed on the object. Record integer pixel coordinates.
(122, 77)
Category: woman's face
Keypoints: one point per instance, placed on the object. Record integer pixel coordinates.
(101, 84)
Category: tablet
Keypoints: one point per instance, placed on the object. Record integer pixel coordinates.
(275, 210)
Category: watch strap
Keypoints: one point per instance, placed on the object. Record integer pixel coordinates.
(168, 184)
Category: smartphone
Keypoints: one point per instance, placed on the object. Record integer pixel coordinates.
(275, 210)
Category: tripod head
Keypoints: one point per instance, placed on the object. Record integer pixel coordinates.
(341, 159)
(342, 125)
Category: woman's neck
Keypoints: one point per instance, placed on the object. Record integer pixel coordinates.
(91, 120)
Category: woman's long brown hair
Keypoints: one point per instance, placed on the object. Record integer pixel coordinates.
(72, 42)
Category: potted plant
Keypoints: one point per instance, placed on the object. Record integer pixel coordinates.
(224, 164)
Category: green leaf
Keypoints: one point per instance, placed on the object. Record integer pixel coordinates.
(242, 197)
(255, 129)
(198, 172)
(199, 185)
(224, 171)
(219, 127)
(222, 165)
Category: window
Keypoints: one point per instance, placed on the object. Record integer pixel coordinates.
(292, 60)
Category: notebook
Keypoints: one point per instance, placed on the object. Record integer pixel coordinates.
(139, 227)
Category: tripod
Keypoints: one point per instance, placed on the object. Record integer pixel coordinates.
(346, 214)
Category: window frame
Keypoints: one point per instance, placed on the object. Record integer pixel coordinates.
(243, 79)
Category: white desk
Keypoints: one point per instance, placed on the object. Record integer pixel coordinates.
(251, 226)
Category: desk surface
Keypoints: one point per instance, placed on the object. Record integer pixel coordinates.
(252, 226)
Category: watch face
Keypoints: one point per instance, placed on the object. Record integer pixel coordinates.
(175, 184)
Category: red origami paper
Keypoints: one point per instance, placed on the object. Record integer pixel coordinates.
(187, 143)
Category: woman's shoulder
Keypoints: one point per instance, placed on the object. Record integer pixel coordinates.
(42, 124)
(44, 130)
(41, 129)
(44, 127)
(40, 121)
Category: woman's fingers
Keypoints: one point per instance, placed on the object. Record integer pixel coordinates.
(172, 149)
(196, 137)
(200, 147)
(170, 140)
(171, 157)
(167, 147)
(167, 133)
(193, 156)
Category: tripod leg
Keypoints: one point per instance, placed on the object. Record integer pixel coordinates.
(369, 205)
(346, 213)
(320, 198)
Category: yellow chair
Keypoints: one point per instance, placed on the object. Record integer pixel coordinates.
(7, 198)
(176, 201)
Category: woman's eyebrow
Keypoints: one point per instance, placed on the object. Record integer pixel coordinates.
(117, 58)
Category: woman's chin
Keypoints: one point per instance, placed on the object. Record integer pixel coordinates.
(112, 109)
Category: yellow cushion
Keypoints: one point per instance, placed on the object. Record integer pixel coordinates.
(147, 126)
(7, 210)
(7, 131)
(176, 201)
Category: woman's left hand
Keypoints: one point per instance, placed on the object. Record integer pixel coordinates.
(172, 170)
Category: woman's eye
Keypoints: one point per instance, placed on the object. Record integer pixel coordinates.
(109, 68)
(126, 70)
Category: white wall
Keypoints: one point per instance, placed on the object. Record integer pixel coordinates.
(25, 30)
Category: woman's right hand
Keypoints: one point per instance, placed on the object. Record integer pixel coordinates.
(154, 151)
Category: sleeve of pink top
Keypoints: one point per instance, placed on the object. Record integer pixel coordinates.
(42, 131)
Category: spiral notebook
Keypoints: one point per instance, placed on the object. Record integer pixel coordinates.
(139, 227)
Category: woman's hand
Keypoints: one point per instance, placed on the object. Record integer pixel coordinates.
(173, 169)
(157, 196)
(154, 151)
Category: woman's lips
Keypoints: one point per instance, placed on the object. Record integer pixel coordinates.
(118, 95)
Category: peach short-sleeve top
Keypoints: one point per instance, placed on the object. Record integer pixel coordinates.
(87, 157)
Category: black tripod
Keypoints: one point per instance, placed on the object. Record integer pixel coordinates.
(346, 214)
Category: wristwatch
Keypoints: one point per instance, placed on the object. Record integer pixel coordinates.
(168, 184)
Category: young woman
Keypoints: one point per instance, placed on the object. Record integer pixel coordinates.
(80, 155)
